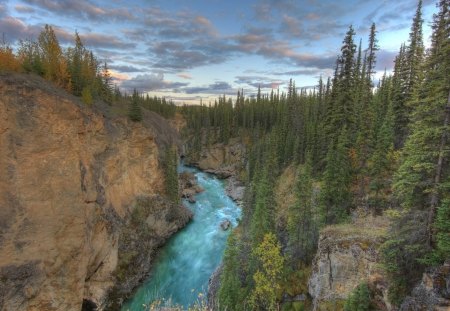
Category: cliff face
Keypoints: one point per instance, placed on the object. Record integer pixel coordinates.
(223, 160)
(347, 255)
(69, 177)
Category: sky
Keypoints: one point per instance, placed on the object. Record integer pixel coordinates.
(192, 50)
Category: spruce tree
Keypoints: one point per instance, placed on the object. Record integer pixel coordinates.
(135, 112)
(229, 292)
(415, 181)
(262, 220)
(335, 192)
(171, 178)
(302, 226)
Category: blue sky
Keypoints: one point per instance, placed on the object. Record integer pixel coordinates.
(189, 50)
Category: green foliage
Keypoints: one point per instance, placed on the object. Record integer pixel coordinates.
(135, 111)
(86, 96)
(171, 175)
(442, 251)
(370, 148)
(335, 194)
(229, 295)
(402, 253)
(359, 299)
(263, 215)
(442, 227)
(267, 279)
(302, 225)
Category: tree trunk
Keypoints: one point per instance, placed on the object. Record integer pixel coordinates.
(434, 200)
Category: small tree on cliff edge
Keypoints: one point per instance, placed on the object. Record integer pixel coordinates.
(135, 112)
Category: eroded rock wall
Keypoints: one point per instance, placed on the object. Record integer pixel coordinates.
(347, 256)
(69, 177)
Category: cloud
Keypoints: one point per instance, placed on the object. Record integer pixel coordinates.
(398, 16)
(291, 27)
(3, 9)
(24, 9)
(126, 68)
(118, 77)
(304, 72)
(14, 29)
(385, 60)
(219, 87)
(259, 81)
(82, 9)
(282, 51)
(184, 75)
(94, 40)
(150, 82)
(182, 25)
(174, 55)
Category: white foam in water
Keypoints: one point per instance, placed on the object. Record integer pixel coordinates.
(185, 263)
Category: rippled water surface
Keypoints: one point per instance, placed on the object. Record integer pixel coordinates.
(184, 265)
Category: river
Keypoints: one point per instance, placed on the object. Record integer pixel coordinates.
(184, 264)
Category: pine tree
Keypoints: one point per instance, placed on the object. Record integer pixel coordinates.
(262, 218)
(171, 163)
(230, 285)
(414, 182)
(302, 226)
(371, 52)
(106, 85)
(75, 62)
(442, 226)
(415, 52)
(359, 299)
(381, 161)
(135, 112)
(408, 75)
(335, 193)
(342, 109)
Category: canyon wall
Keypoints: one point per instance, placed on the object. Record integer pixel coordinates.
(69, 179)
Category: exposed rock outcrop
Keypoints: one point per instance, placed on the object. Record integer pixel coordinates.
(223, 160)
(347, 255)
(69, 179)
(189, 186)
(235, 189)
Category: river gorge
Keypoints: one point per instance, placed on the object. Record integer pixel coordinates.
(183, 266)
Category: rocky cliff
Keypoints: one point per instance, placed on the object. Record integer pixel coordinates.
(226, 161)
(69, 179)
(347, 256)
(223, 160)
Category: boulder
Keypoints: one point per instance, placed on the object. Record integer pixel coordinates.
(225, 225)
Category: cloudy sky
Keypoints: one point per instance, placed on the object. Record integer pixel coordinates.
(192, 49)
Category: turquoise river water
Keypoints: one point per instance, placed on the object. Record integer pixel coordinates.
(183, 266)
